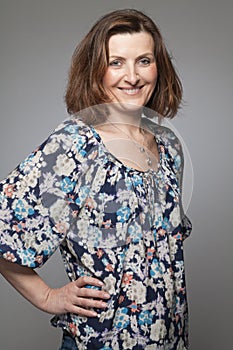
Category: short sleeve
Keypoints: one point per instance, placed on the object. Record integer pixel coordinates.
(35, 198)
(175, 160)
(177, 164)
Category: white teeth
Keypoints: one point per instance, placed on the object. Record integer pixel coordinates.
(131, 91)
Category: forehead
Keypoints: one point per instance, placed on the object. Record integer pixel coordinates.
(126, 44)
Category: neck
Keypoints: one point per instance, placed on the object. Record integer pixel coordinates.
(128, 118)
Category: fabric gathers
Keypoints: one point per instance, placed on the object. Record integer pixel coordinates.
(112, 222)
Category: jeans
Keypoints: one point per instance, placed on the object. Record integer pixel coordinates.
(68, 342)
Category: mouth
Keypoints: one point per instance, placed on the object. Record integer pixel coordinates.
(131, 91)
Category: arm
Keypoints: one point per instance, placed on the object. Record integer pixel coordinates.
(73, 297)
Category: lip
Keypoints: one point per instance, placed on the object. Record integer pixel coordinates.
(131, 90)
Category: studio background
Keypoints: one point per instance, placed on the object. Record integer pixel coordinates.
(37, 39)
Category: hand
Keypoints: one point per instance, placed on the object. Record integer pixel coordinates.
(77, 299)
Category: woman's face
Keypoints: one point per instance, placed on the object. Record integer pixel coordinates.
(132, 72)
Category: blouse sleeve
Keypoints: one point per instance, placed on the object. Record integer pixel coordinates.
(35, 198)
(176, 160)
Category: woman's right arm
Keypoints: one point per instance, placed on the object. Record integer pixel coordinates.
(73, 297)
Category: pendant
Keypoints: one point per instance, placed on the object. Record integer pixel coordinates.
(142, 149)
(149, 162)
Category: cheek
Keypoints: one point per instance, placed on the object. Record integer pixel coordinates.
(110, 78)
(152, 74)
(106, 79)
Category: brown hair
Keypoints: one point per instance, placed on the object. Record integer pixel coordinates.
(90, 61)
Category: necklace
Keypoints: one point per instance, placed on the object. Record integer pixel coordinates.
(140, 147)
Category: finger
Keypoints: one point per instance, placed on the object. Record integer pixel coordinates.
(84, 280)
(92, 293)
(90, 303)
(82, 312)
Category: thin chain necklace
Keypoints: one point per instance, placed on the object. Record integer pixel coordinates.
(140, 147)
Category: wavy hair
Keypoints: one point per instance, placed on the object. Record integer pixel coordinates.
(90, 61)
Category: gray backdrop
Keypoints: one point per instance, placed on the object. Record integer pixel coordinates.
(37, 39)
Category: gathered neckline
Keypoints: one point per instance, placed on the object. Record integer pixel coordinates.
(126, 167)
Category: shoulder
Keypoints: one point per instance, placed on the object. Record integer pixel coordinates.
(72, 128)
(67, 147)
(164, 134)
(169, 141)
(72, 135)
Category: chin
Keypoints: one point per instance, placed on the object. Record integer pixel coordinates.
(129, 105)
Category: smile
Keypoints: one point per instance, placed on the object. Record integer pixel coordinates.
(131, 91)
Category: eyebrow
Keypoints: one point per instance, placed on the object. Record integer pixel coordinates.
(142, 55)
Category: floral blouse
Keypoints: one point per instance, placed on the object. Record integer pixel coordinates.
(120, 225)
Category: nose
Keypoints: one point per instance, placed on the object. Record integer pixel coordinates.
(131, 76)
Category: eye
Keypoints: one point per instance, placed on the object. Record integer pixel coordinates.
(145, 61)
(115, 63)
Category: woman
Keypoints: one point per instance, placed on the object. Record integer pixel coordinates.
(105, 188)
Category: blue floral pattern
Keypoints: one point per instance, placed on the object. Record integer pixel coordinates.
(112, 222)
